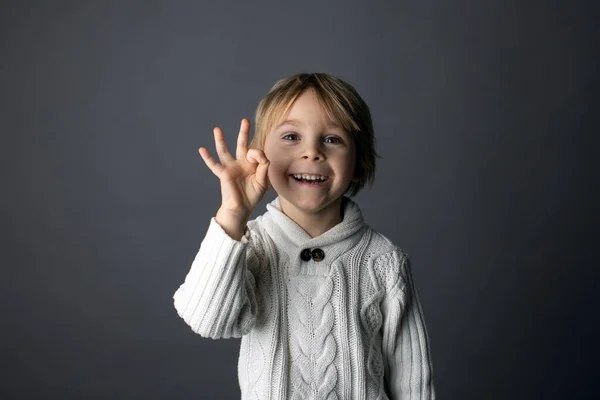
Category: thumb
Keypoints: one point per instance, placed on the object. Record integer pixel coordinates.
(262, 172)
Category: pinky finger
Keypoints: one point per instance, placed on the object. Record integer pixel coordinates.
(210, 162)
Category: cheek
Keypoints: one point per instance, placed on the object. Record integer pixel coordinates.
(275, 157)
(346, 163)
(277, 176)
(270, 152)
(277, 168)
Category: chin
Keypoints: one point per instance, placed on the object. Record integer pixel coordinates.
(312, 205)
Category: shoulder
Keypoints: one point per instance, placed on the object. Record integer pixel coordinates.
(389, 262)
(380, 245)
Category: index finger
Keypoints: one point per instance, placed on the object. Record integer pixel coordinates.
(242, 142)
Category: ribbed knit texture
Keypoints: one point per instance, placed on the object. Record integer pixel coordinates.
(347, 327)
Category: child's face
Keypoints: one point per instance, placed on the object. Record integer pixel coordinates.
(307, 143)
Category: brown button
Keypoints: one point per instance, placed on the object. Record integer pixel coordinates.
(318, 254)
(305, 255)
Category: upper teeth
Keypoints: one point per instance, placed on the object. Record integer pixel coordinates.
(310, 177)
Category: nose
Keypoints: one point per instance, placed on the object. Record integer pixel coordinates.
(313, 151)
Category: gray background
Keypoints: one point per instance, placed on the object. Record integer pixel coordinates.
(484, 114)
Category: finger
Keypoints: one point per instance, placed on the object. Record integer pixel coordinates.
(242, 141)
(221, 146)
(210, 162)
(261, 174)
(256, 156)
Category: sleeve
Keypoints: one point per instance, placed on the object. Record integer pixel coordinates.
(217, 298)
(408, 371)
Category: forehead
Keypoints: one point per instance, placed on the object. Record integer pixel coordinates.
(308, 109)
(328, 123)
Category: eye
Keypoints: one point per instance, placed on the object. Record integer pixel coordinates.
(332, 139)
(294, 137)
(290, 136)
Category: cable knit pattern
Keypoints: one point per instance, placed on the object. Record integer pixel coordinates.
(372, 319)
(313, 349)
(256, 354)
(387, 270)
(347, 327)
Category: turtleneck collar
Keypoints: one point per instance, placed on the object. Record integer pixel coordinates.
(288, 234)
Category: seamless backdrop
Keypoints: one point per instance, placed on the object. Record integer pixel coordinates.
(485, 115)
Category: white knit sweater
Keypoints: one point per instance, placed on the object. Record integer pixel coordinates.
(347, 327)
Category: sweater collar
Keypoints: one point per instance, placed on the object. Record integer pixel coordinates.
(287, 233)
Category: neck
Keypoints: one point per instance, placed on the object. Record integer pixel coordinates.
(317, 223)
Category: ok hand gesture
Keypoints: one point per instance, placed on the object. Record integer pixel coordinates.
(243, 178)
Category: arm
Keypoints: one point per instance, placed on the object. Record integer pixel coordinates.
(217, 298)
(408, 365)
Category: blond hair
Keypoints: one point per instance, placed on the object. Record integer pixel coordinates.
(340, 101)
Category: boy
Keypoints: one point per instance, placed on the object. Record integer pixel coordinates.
(325, 306)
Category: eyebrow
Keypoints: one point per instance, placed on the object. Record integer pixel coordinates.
(330, 124)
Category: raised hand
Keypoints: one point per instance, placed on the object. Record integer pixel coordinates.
(243, 179)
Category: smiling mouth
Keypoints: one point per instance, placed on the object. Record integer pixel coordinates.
(314, 179)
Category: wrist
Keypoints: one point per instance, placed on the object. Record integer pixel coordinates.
(233, 223)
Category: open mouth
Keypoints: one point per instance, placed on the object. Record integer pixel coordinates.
(311, 179)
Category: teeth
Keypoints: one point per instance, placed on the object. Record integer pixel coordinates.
(310, 177)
